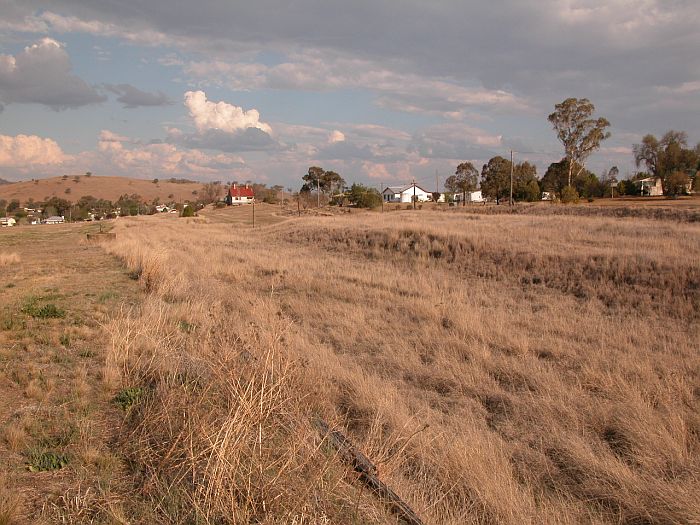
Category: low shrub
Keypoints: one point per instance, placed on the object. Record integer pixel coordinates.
(569, 195)
(128, 397)
(46, 311)
(45, 461)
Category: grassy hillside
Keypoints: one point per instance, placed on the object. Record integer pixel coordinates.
(498, 369)
(110, 188)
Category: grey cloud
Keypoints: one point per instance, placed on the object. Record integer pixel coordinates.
(41, 74)
(132, 97)
(250, 139)
(344, 151)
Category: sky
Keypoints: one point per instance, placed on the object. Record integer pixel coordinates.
(380, 91)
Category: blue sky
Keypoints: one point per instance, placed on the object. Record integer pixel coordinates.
(381, 91)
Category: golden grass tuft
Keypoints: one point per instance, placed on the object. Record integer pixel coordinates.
(15, 436)
(514, 368)
(10, 503)
(7, 259)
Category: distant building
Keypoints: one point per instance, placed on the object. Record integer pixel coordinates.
(55, 219)
(471, 196)
(406, 194)
(7, 221)
(651, 186)
(239, 195)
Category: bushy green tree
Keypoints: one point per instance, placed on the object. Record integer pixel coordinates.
(56, 205)
(495, 178)
(465, 179)
(364, 197)
(525, 186)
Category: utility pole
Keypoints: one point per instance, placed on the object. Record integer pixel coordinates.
(511, 177)
(318, 191)
(414, 194)
(253, 212)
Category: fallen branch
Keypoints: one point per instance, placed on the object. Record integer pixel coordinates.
(367, 473)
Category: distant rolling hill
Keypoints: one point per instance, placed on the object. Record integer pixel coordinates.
(110, 188)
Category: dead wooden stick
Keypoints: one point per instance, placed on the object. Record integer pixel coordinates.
(367, 473)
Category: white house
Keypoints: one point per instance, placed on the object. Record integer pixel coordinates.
(237, 195)
(7, 221)
(651, 186)
(55, 219)
(406, 193)
(471, 196)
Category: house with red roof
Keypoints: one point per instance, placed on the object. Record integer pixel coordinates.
(239, 195)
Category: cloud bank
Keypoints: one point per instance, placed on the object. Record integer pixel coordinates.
(30, 151)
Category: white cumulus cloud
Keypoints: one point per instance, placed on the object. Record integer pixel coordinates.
(27, 151)
(221, 115)
(336, 136)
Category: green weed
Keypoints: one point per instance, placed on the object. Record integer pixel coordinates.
(42, 311)
(44, 461)
(128, 397)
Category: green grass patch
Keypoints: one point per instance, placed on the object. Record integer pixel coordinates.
(129, 397)
(34, 308)
(42, 461)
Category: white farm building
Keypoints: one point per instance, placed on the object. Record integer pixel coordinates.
(471, 196)
(406, 193)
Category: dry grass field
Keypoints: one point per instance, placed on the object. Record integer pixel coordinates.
(497, 368)
(109, 188)
(57, 419)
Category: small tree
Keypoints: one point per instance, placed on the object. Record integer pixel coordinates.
(313, 179)
(578, 132)
(495, 178)
(187, 211)
(466, 178)
(364, 197)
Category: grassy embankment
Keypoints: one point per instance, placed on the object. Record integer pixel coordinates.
(499, 369)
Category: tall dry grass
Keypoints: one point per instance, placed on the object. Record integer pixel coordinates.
(501, 369)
